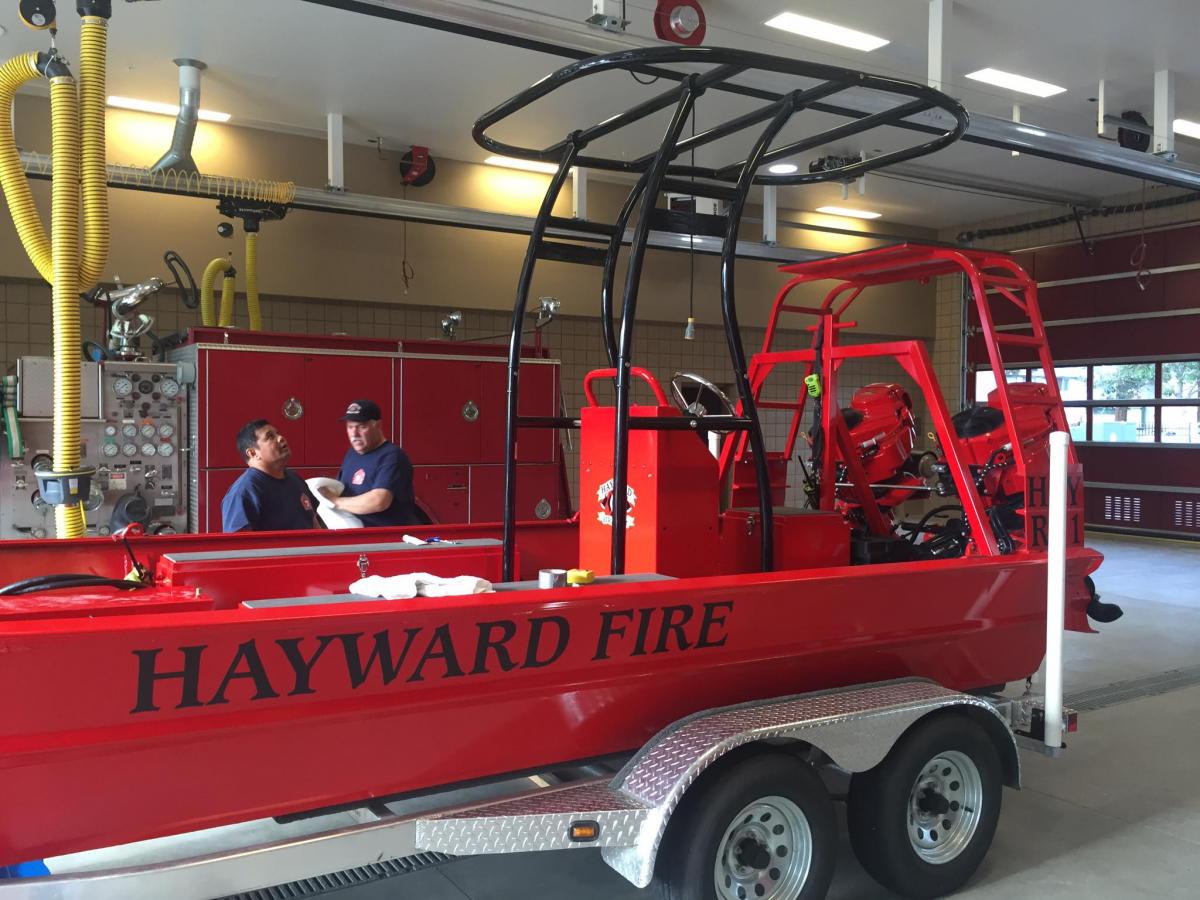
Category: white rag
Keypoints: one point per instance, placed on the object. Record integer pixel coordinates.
(419, 584)
(333, 518)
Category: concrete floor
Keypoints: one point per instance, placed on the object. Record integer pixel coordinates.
(1117, 817)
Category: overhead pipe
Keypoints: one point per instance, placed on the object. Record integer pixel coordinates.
(507, 25)
(179, 156)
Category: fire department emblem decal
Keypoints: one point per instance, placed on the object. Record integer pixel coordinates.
(604, 497)
(359, 477)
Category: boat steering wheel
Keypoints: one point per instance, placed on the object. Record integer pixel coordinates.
(723, 405)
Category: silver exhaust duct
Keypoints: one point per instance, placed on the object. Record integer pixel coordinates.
(179, 157)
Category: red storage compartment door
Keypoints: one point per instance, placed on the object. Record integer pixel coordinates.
(440, 411)
(539, 397)
(240, 386)
(534, 484)
(330, 383)
(442, 492)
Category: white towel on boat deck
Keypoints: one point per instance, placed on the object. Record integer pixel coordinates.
(419, 584)
(333, 518)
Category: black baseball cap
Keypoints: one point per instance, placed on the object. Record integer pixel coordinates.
(362, 411)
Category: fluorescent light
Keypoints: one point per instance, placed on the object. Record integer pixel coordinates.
(528, 165)
(826, 31)
(1187, 128)
(1017, 82)
(852, 213)
(165, 109)
(783, 168)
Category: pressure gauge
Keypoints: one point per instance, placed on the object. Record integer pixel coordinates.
(110, 449)
(129, 449)
(166, 449)
(168, 388)
(110, 430)
(166, 430)
(148, 449)
(122, 387)
(148, 430)
(129, 429)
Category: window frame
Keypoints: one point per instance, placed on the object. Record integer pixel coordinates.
(1157, 402)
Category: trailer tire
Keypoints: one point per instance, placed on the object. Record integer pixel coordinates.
(922, 820)
(759, 829)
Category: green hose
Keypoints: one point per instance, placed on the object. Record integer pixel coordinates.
(12, 427)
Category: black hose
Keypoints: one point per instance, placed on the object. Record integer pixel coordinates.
(67, 580)
(920, 526)
(189, 293)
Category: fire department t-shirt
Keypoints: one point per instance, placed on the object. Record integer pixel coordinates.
(388, 467)
(258, 502)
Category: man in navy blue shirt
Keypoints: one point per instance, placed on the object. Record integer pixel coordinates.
(266, 497)
(377, 475)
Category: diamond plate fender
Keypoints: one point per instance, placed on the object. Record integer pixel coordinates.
(855, 727)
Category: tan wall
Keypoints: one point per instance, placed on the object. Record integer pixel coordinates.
(321, 255)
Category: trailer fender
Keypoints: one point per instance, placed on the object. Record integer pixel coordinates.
(854, 727)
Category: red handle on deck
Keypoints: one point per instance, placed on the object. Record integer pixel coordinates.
(612, 373)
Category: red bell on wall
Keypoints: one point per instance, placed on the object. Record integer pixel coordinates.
(680, 21)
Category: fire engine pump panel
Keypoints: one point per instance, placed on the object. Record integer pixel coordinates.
(821, 627)
(131, 432)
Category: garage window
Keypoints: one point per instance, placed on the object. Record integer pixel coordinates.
(1146, 402)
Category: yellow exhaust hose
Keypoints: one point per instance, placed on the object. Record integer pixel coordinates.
(93, 59)
(14, 73)
(252, 305)
(228, 294)
(207, 314)
(64, 231)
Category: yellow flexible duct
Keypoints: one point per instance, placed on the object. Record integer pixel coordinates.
(93, 59)
(14, 73)
(64, 236)
(228, 294)
(207, 314)
(252, 305)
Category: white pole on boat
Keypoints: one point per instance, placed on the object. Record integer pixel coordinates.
(1056, 583)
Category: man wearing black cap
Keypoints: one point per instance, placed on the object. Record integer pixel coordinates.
(377, 474)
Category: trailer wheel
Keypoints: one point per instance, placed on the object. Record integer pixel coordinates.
(922, 820)
(761, 830)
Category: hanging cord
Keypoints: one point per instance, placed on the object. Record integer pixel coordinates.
(407, 274)
(1137, 259)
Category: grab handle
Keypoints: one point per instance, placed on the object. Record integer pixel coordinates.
(612, 373)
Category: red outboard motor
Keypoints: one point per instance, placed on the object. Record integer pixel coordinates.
(881, 425)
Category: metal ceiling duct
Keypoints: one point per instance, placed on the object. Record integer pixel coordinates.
(506, 24)
(179, 156)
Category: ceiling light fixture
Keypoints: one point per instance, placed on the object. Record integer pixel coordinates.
(826, 31)
(527, 165)
(783, 169)
(1017, 83)
(1187, 128)
(164, 109)
(852, 213)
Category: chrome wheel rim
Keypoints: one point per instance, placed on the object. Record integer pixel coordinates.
(765, 852)
(945, 807)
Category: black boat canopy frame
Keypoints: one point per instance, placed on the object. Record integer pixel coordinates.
(658, 172)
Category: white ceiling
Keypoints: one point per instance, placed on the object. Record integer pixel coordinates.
(283, 64)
